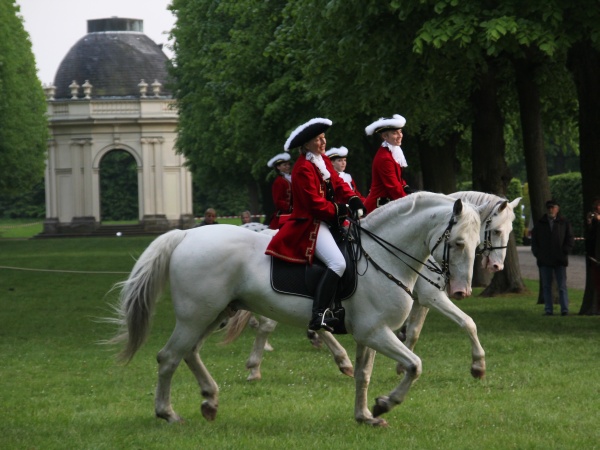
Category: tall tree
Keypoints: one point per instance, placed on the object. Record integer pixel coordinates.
(23, 124)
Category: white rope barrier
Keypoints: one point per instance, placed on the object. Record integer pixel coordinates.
(9, 227)
(63, 271)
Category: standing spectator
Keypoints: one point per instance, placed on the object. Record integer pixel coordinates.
(246, 217)
(338, 156)
(551, 242)
(387, 183)
(210, 218)
(281, 189)
(592, 251)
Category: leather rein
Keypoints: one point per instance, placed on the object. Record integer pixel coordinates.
(355, 235)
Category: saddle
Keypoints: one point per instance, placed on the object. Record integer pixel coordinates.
(302, 279)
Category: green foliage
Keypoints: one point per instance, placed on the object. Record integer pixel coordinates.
(118, 186)
(29, 204)
(23, 125)
(72, 394)
(248, 72)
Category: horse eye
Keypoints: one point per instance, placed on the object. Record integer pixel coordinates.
(460, 244)
(497, 232)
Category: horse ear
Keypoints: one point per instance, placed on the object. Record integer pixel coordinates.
(515, 202)
(458, 207)
(503, 205)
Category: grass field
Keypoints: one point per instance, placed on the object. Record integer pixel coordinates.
(59, 389)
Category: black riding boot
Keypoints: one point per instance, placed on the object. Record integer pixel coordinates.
(321, 315)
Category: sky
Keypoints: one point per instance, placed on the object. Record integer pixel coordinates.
(54, 26)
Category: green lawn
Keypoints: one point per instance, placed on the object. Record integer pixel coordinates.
(59, 389)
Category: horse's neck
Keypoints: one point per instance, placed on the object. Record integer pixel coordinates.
(408, 228)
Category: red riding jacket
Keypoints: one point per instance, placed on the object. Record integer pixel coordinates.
(295, 241)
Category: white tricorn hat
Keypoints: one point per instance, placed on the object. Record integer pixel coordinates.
(335, 152)
(277, 159)
(386, 123)
(306, 132)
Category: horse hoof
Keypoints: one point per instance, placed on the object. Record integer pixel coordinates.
(254, 377)
(348, 371)
(209, 412)
(268, 347)
(478, 373)
(374, 422)
(381, 406)
(170, 417)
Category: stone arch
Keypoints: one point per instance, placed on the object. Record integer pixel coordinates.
(119, 185)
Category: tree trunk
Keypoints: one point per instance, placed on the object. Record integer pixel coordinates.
(509, 279)
(584, 64)
(439, 165)
(533, 144)
(491, 174)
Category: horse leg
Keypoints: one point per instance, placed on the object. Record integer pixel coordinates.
(208, 387)
(183, 338)
(444, 305)
(265, 327)
(314, 338)
(254, 323)
(365, 357)
(383, 340)
(340, 356)
(414, 325)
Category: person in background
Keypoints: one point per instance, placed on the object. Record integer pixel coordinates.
(322, 201)
(246, 217)
(592, 250)
(387, 183)
(338, 160)
(210, 218)
(551, 242)
(281, 189)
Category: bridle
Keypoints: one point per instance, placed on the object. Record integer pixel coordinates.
(443, 269)
(486, 247)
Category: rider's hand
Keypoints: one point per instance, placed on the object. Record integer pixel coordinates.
(357, 207)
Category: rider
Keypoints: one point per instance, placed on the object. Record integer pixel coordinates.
(338, 156)
(320, 196)
(387, 183)
(281, 189)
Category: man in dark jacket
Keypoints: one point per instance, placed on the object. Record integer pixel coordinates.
(551, 242)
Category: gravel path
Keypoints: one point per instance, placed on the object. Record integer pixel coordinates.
(575, 270)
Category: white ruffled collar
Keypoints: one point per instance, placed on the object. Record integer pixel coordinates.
(318, 161)
(396, 152)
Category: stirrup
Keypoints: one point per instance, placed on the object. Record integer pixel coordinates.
(326, 315)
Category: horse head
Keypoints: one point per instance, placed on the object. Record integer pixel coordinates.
(496, 226)
(458, 252)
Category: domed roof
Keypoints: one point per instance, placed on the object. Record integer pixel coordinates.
(114, 56)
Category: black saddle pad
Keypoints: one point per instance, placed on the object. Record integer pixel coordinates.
(302, 279)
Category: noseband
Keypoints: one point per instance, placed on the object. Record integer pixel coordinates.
(486, 247)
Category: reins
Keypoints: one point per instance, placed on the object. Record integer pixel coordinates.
(486, 247)
(444, 270)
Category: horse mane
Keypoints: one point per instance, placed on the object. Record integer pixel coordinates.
(481, 198)
(406, 205)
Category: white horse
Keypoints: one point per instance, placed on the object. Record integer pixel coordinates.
(217, 270)
(497, 216)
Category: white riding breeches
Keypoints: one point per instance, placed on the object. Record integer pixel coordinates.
(327, 250)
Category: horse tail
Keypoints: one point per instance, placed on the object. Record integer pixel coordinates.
(140, 292)
(235, 325)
